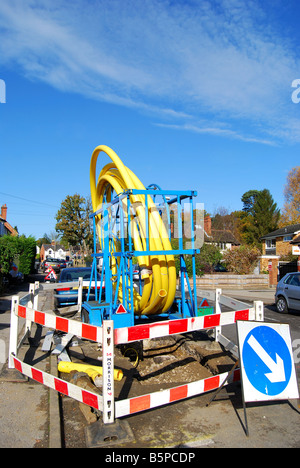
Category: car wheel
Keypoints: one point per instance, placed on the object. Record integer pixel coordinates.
(281, 305)
(85, 318)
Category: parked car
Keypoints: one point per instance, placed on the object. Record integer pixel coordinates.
(14, 276)
(220, 268)
(51, 263)
(287, 294)
(62, 263)
(69, 296)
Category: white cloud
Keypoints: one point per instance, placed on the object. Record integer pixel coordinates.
(218, 131)
(218, 60)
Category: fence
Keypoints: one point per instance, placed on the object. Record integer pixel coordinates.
(27, 308)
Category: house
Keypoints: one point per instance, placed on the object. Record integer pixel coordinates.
(283, 241)
(53, 250)
(222, 238)
(5, 227)
(279, 242)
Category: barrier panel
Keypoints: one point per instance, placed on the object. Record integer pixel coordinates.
(109, 337)
(164, 397)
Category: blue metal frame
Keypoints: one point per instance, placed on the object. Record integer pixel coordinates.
(112, 214)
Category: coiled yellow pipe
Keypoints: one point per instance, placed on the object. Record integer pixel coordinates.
(158, 271)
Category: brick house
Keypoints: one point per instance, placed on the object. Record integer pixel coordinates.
(52, 250)
(278, 243)
(5, 227)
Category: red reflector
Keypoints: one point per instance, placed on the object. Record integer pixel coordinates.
(63, 289)
(121, 310)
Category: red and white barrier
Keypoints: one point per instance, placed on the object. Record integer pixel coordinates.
(164, 397)
(73, 391)
(173, 327)
(131, 405)
(84, 330)
(110, 337)
(137, 332)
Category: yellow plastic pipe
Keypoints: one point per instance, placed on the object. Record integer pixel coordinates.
(92, 371)
(159, 270)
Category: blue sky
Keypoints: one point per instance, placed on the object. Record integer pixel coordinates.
(190, 94)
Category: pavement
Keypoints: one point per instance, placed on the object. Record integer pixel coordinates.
(30, 413)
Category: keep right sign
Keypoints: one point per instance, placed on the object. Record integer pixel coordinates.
(267, 365)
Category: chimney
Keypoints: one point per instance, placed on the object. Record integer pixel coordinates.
(207, 225)
(4, 211)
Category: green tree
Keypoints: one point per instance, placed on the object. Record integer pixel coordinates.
(8, 251)
(44, 240)
(26, 253)
(260, 215)
(73, 221)
(248, 200)
(266, 213)
(21, 250)
(208, 257)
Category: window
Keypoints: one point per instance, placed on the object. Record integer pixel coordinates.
(293, 280)
(288, 238)
(270, 243)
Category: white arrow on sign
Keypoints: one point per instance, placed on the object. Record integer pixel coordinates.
(277, 373)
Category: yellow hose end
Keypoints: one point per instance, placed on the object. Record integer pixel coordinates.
(156, 303)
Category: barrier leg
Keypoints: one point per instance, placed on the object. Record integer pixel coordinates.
(32, 303)
(259, 311)
(218, 330)
(14, 326)
(108, 372)
(36, 295)
(80, 288)
(110, 430)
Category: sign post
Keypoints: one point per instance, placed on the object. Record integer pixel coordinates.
(266, 360)
(267, 364)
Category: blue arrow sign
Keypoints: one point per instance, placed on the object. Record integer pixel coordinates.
(267, 360)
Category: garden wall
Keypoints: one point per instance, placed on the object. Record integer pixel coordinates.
(229, 281)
